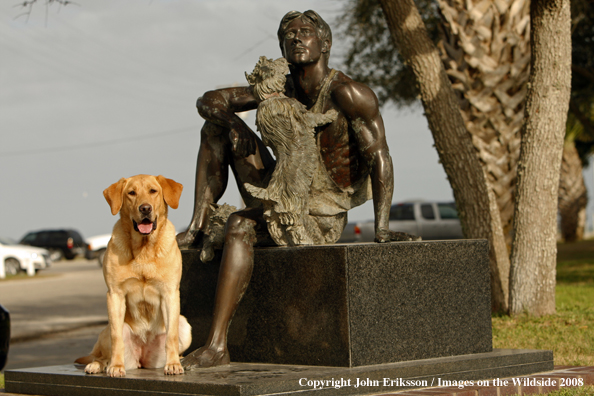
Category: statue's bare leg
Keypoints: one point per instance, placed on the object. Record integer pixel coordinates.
(234, 275)
(212, 172)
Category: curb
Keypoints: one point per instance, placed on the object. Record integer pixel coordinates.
(47, 330)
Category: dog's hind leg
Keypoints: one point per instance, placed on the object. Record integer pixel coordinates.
(260, 193)
(133, 347)
(96, 366)
(98, 359)
(185, 334)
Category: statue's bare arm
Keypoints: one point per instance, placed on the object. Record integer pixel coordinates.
(360, 106)
(220, 106)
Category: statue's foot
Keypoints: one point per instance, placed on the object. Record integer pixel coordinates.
(206, 357)
(187, 239)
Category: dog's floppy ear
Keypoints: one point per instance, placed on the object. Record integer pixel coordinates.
(113, 195)
(171, 191)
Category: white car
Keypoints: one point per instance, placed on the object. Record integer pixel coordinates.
(429, 220)
(15, 258)
(96, 247)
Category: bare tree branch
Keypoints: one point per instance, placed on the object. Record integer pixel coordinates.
(27, 5)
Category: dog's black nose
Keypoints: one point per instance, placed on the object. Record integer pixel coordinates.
(145, 209)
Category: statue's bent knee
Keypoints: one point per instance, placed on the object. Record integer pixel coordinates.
(211, 129)
(240, 228)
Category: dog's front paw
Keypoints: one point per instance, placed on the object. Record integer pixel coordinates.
(116, 370)
(93, 368)
(173, 369)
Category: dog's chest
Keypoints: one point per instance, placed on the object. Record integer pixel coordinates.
(143, 283)
(143, 300)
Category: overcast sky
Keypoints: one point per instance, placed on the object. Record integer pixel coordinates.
(100, 90)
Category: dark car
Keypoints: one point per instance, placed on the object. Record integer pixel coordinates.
(60, 243)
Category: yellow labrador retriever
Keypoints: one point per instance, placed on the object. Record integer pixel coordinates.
(142, 269)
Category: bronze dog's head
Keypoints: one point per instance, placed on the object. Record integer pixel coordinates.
(143, 200)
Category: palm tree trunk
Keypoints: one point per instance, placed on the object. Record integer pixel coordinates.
(573, 196)
(485, 48)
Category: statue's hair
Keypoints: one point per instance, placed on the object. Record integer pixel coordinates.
(268, 77)
(309, 16)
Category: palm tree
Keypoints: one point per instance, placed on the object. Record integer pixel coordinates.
(573, 196)
(579, 139)
(485, 48)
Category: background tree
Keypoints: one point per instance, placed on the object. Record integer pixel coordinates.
(534, 249)
(27, 7)
(573, 197)
(579, 139)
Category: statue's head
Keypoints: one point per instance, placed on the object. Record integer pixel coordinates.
(310, 17)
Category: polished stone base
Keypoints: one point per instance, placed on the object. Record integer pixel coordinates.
(350, 305)
(265, 379)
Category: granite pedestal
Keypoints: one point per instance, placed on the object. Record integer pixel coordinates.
(351, 305)
(319, 320)
(250, 379)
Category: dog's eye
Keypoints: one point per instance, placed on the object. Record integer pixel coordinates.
(132, 193)
(152, 191)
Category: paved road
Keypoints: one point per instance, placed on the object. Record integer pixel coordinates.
(45, 309)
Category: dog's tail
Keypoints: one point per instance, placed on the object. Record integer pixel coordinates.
(85, 359)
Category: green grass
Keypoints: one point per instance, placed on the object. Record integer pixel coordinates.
(575, 263)
(569, 332)
(581, 391)
(1, 381)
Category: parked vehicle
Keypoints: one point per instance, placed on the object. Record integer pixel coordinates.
(429, 220)
(97, 246)
(17, 258)
(65, 243)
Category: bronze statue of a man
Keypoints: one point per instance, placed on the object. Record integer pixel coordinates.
(353, 157)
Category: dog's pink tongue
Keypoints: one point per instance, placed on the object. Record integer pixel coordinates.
(145, 228)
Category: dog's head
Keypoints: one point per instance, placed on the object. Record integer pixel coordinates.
(268, 77)
(143, 200)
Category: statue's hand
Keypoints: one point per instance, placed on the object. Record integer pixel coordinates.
(384, 235)
(243, 141)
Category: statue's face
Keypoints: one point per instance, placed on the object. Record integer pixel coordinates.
(301, 44)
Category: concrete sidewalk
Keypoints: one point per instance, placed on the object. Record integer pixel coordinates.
(53, 349)
(56, 315)
(67, 296)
